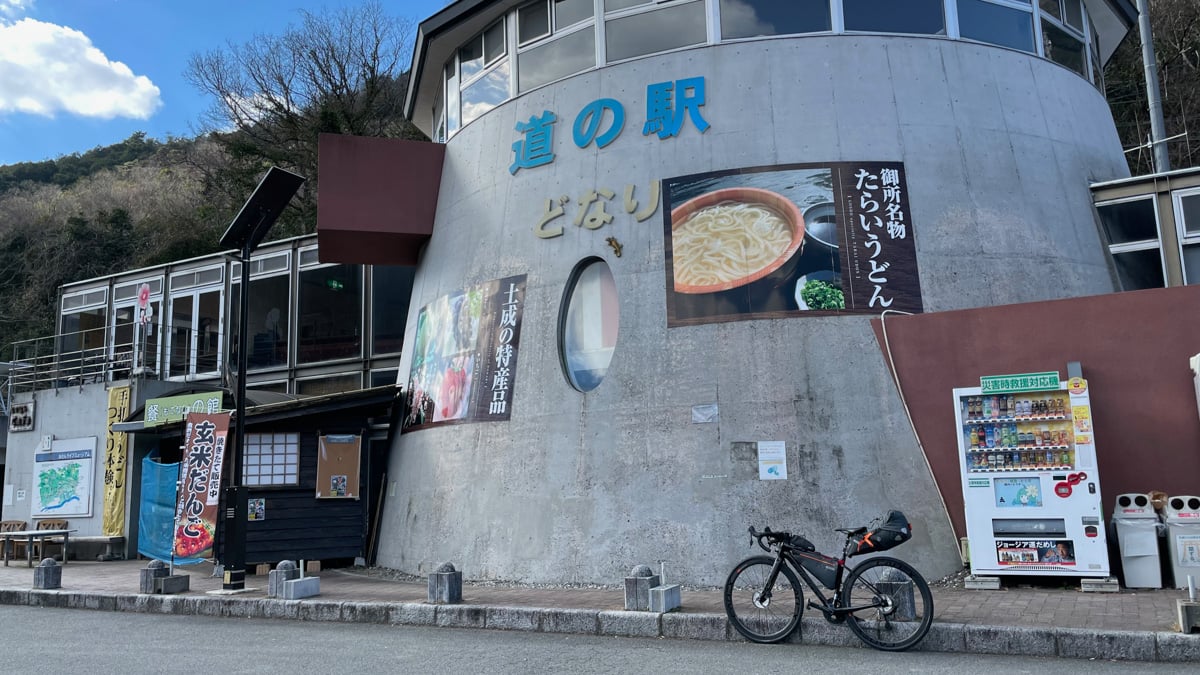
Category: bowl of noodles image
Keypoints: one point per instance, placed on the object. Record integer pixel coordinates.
(731, 237)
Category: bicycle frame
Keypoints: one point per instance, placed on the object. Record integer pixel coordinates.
(785, 554)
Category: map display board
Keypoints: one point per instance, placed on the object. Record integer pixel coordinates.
(62, 478)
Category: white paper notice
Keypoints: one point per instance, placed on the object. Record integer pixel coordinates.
(772, 460)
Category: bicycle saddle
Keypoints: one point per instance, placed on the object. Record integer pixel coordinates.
(852, 531)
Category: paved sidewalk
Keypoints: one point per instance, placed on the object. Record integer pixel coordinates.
(1020, 619)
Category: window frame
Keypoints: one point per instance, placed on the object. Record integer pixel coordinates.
(453, 84)
(254, 443)
(294, 353)
(123, 301)
(655, 6)
(564, 311)
(556, 33)
(258, 273)
(716, 33)
(1019, 5)
(1136, 245)
(1183, 238)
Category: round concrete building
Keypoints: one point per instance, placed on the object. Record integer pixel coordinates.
(661, 239)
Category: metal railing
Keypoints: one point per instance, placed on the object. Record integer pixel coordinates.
(85, 357)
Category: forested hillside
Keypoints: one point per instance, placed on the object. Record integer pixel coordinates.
(143, 202)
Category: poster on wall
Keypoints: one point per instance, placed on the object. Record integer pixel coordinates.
(465, 355)
(1035, 552)
(63, 478)
(200, 484)
(337, 466)
(789, 240)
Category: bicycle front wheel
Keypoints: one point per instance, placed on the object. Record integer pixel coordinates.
(888, 604)
(761, 613)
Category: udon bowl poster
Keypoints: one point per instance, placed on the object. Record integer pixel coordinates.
(789, 240)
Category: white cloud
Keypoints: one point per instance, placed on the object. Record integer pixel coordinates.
(46, 69)
(14, 8)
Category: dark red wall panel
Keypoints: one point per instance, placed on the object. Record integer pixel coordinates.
(378, 198)
(1133, 347)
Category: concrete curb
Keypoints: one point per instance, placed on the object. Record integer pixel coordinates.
(1075, 643)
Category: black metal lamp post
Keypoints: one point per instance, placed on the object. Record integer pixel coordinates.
(245, 233)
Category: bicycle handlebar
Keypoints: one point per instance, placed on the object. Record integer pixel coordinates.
(772, 537)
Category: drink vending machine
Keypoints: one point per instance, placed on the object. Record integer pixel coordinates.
(1031, 489)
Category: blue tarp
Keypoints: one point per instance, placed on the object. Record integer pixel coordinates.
(156, 518)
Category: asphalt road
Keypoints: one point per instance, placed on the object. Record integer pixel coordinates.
(51, 641)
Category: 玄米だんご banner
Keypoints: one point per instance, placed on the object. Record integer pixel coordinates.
(789, 240)
(199, 485)
(465, 355)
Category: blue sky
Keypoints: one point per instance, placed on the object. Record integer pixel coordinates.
(77, 74)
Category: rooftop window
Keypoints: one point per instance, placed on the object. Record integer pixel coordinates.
(543, 41)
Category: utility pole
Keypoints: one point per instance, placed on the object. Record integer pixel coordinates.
(1158, 131)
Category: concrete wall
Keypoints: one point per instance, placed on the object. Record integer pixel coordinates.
(70, 412)
(998, 148)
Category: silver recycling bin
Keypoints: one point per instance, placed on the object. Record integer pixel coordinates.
(1182, 516)
(1137, 528)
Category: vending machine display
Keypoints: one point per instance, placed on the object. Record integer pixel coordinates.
(1031, 490)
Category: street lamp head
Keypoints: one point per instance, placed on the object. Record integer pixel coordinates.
(261, 210)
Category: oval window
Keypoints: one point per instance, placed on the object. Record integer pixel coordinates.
(588, 323)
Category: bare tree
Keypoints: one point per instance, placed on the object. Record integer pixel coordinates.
(335, 72)
(1176, 28)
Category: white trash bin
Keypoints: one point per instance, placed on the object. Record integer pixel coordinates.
(1182, 516)
(1137, 527)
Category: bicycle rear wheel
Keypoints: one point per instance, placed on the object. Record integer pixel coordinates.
(890, 606)
(759, 613)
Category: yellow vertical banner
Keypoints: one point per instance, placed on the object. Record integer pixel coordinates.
(115, 459)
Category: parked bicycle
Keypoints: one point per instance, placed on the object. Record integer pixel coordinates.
(884, 600)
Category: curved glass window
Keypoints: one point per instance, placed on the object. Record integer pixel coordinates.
(555, 39)
(655, 31)
(533, 22)
(751, 18)
(1063, 48)
(485, 93)
(588, 324)
(556, 59)
(998, 24)
(614, 5)
(571, 12)
(924, 17)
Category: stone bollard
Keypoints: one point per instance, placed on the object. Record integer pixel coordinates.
(637, 588)
(1189, 615)
(286, 570)
(173, 583)
(445, 585)
(148, 581)
(47, 575)
(665, 598)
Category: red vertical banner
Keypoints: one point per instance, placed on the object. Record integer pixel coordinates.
(200, 483)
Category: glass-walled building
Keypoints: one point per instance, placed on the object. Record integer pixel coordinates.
(314, 328)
